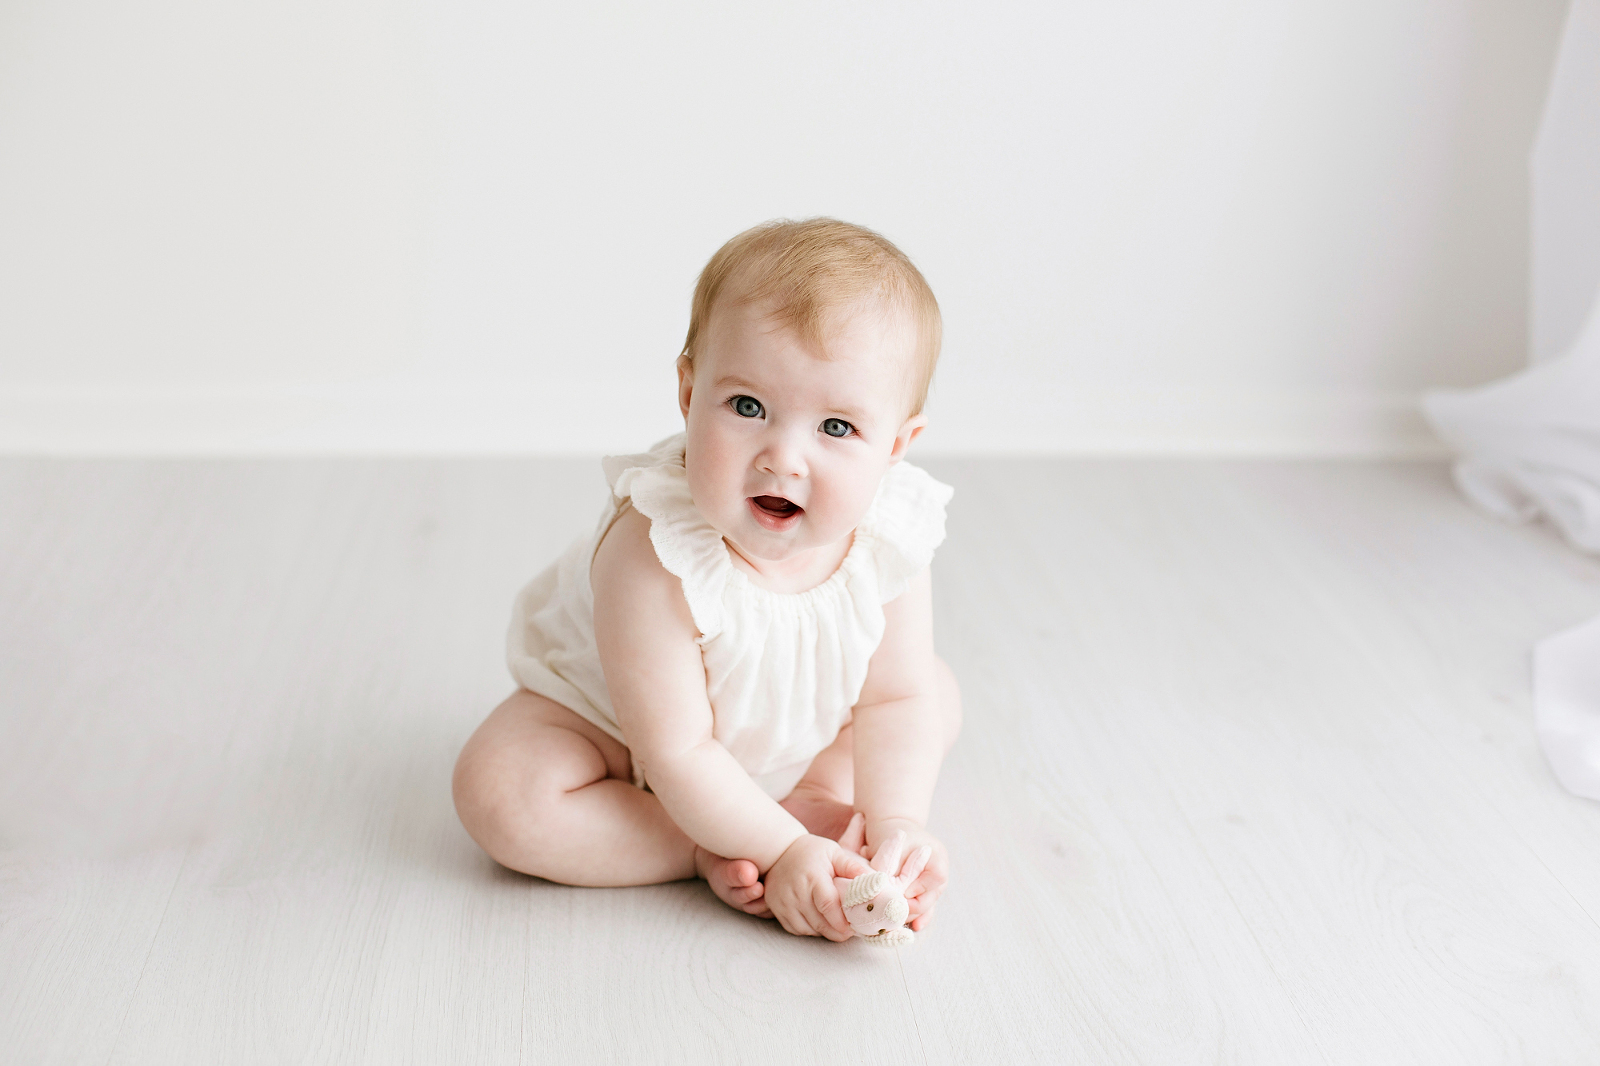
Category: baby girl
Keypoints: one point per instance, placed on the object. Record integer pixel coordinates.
(741, 655)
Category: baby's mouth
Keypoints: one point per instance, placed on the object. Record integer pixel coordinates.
(775, 512)
(776, 506)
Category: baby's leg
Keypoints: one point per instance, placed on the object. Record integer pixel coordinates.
(822, 800)
(545, 792)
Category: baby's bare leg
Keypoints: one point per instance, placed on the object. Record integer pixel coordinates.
(547, 793)
(822, 800)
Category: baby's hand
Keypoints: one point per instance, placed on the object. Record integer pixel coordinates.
(924, 892)
(800, 889)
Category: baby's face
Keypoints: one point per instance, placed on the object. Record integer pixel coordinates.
(786, 448)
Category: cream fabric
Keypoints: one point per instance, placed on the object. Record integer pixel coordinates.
(783, 670)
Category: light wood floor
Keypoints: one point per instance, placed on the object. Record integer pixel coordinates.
(1248, 776)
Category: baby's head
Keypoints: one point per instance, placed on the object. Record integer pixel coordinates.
(810, 349)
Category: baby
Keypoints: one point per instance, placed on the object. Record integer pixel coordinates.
(741, 655)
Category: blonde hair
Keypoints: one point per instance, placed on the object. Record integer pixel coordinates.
(813, 269)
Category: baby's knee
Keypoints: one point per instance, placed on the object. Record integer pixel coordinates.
(511, 824)
(507, 798)
(485, 791)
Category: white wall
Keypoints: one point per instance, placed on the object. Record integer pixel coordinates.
(1187, 225)
(1566, 190)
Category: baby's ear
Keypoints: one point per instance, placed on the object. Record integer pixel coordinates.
(685, 383)
(910, 431)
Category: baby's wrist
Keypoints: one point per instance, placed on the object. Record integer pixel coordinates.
(878, 828)
(778, 855)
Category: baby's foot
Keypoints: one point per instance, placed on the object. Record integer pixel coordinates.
(820, 812)
(736, 882)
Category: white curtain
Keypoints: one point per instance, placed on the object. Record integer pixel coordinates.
(1530, 446)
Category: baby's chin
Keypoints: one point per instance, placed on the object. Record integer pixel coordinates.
(776, 546)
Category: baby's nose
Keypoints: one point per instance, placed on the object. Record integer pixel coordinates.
(782, 457)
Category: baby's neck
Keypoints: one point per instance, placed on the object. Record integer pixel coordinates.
(798, 573)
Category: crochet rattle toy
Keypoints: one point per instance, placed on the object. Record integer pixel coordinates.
(875, 902)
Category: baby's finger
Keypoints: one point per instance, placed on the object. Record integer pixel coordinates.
(830, 933)
(790, 915)
(827, 929)
(848, 864)
(825, 898)
(922, 904)
(929, 881)
(806, 916)
(796, 923)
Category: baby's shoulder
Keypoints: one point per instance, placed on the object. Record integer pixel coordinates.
(625, 556)
(638, 605)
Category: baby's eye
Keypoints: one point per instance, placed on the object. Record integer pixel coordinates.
(746, 406)
(837, 427)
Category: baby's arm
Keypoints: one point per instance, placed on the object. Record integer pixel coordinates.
(657, 682)
(900, 734)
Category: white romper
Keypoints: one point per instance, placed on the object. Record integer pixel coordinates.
(783, 670)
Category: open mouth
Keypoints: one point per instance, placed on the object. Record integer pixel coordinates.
(775, 512)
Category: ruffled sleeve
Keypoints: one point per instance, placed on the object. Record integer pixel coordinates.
(688, 547)
(906, 522)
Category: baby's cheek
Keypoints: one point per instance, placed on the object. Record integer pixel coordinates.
(843, 508)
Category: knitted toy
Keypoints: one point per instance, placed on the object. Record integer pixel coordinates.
(875, 902)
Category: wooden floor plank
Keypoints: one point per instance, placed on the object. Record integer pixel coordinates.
(1248, 776)
(75, 935)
